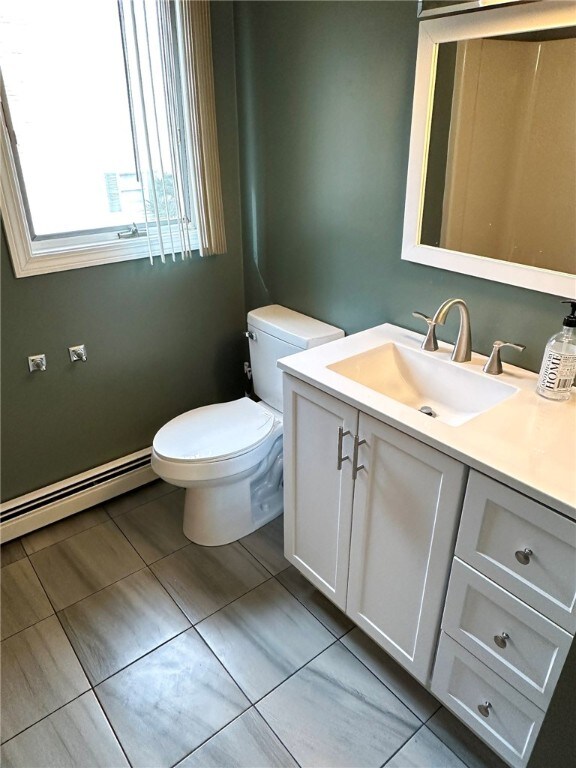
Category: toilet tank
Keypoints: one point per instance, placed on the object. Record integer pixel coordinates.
(278, 332)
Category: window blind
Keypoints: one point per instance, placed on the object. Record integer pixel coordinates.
(168, 58)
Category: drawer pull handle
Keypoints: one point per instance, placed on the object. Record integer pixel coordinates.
(341, 436)
(523, 556)
(502, 639)
(485, 708)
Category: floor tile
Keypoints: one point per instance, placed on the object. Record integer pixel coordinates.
(324, 610)
(203, 579)
(466, 745)
(246, 743)
(127, 501)
(40, 673)
(11, 551)
(424, 750)
(334, 712)
(63, 529)
(267, 545)
(76, 735)
(264, 637)
(408, 690)
(24, 602)
(166, 704)
(155, 529)
(75, 568)
(119, 624)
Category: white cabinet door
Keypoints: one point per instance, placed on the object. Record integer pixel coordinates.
(407, 502)
(317, 494)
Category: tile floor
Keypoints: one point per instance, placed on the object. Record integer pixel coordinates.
(125, 644)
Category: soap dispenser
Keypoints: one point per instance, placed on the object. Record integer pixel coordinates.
(559, 361)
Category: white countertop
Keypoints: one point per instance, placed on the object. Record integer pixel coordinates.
(526, 441)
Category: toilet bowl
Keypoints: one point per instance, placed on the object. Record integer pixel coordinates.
(228, 456)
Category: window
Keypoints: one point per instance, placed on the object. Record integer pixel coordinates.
(102, 154)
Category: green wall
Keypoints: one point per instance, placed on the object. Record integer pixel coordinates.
(160, 339)
(325, 100)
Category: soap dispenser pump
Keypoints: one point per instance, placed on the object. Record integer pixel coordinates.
(559, 362)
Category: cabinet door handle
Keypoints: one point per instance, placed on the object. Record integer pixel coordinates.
(501, 640)
(485, 708)
(523, 556)
(355, 467)
(341, 436)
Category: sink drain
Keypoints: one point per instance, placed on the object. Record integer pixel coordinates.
(428, 411)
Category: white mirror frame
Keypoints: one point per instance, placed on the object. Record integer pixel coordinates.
(488, 23)
(471, 5)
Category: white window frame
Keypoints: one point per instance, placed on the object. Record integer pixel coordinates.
(43, 256)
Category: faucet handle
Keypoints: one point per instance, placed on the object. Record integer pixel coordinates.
(494, 364)
(430, 343)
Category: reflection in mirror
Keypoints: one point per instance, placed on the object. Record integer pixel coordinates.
(492, 174)
(501, 178)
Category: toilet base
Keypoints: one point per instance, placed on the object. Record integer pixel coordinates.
(216, 514)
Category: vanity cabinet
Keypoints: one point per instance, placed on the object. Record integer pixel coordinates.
(428, 535)
(467, 583)
(370, 518)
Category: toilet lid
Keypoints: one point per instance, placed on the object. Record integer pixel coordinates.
(214, 432)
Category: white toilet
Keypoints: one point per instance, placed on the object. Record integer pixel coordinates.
(228, 456)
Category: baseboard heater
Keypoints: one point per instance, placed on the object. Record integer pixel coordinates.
(54, 502)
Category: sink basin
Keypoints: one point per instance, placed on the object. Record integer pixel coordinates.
(419, 379)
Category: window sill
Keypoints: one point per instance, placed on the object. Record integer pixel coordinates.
(50, 259)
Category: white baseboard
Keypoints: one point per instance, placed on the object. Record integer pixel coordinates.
(74, 494)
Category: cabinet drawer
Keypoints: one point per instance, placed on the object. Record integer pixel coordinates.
(498, 525)
(510, 723)
(479, 615)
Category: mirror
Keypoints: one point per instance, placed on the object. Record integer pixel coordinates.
(491, 186)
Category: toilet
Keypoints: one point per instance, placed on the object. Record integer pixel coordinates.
(228, 456)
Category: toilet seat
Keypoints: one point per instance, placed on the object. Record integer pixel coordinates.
(215, 432)
(215, 441)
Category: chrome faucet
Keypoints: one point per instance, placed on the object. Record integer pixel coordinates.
(462, 351)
